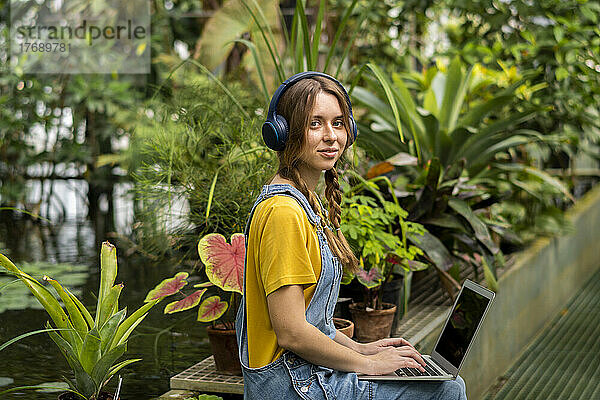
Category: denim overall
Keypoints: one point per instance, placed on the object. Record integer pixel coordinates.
(291, 377)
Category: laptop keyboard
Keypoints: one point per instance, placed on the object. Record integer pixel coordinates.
(430, 370)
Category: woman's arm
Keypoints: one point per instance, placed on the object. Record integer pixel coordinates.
(294, 333)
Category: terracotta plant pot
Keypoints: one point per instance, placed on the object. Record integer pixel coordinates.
(374, 324)
(345, 326)
(225, 350)
(73, 396)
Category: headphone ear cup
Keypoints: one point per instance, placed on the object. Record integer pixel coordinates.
(269, 134)
(353, 129)
(282, 131)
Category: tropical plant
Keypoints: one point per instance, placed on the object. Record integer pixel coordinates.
(196, 145)
(224, 267)
(378, 231)
(91, 344)
(279, 50)
(561, 36)
(460, 156)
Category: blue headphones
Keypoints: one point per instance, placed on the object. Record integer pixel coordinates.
(275, 130)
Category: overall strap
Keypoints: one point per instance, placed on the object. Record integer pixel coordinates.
(267, 191)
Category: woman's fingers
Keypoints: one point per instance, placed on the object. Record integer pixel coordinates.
(407, 351)
(405, 357)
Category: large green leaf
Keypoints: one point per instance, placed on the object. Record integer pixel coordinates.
(84, 382)
(544, 176)
(454, 94)
(90, 352)
(77, 318)
(105, 363)
(86, 314)
(227, 24)
(481, 231)
(109, 330)
(338, 33)
(46, 299)
(108, 273)
(434, 249)
(133, 320)
(109, 305)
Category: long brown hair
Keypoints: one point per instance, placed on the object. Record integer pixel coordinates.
(296, 105)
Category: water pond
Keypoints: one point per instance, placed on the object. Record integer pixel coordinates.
(167, 344)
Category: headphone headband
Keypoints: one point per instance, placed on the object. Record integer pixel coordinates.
(275, 130)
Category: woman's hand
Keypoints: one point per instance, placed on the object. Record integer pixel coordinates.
(375, 347)
(391, 358)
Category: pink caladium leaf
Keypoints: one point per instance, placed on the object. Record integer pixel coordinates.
(167, 287)
(224, 262)
(190, 301)
(370, 279)
(211, 309)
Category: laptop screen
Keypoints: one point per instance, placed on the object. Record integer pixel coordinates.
(461, 326)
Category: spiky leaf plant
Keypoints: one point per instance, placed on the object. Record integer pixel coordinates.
(91, 344)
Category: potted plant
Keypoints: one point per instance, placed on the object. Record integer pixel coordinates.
(383, 252)
(91, 344)
(224, 267)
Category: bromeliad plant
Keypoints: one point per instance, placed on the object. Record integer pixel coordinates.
(463, 154)
(91, 344)
(378, 231)
(224, 267)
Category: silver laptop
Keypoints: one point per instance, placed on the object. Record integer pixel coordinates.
(453, 344)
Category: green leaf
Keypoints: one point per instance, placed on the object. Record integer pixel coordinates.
(109, 330)
(46, 299)
(90, 352)
(544, 176)
(109, 305)
(454, 94)
(587, 11)
(121, 365)
(84, 382)
(24, 335)
(489, 276)
(108, 273)
(559, 33)
(430, 103)
(434, 249)
(561, 73)
(86, 314)
(387, 87)
(481, 231)
(338, 33)
(132, 322)
(102, 368)
(211, 194)
(77, 318)
(259, 69)
(303, 28)
(317, 35)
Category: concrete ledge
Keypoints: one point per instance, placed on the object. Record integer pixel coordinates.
(542, 280)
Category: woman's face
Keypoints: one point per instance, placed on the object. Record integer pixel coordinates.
(326, 137)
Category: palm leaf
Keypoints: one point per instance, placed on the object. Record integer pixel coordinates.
(317, 35)
(338, 34)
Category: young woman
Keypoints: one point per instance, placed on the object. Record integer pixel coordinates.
(289, 348)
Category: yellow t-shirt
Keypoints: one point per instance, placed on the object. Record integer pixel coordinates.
(283, 249)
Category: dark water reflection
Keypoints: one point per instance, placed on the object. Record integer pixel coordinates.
(166, 343)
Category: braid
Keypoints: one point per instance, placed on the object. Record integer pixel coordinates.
(334, 197)
(333, 194)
